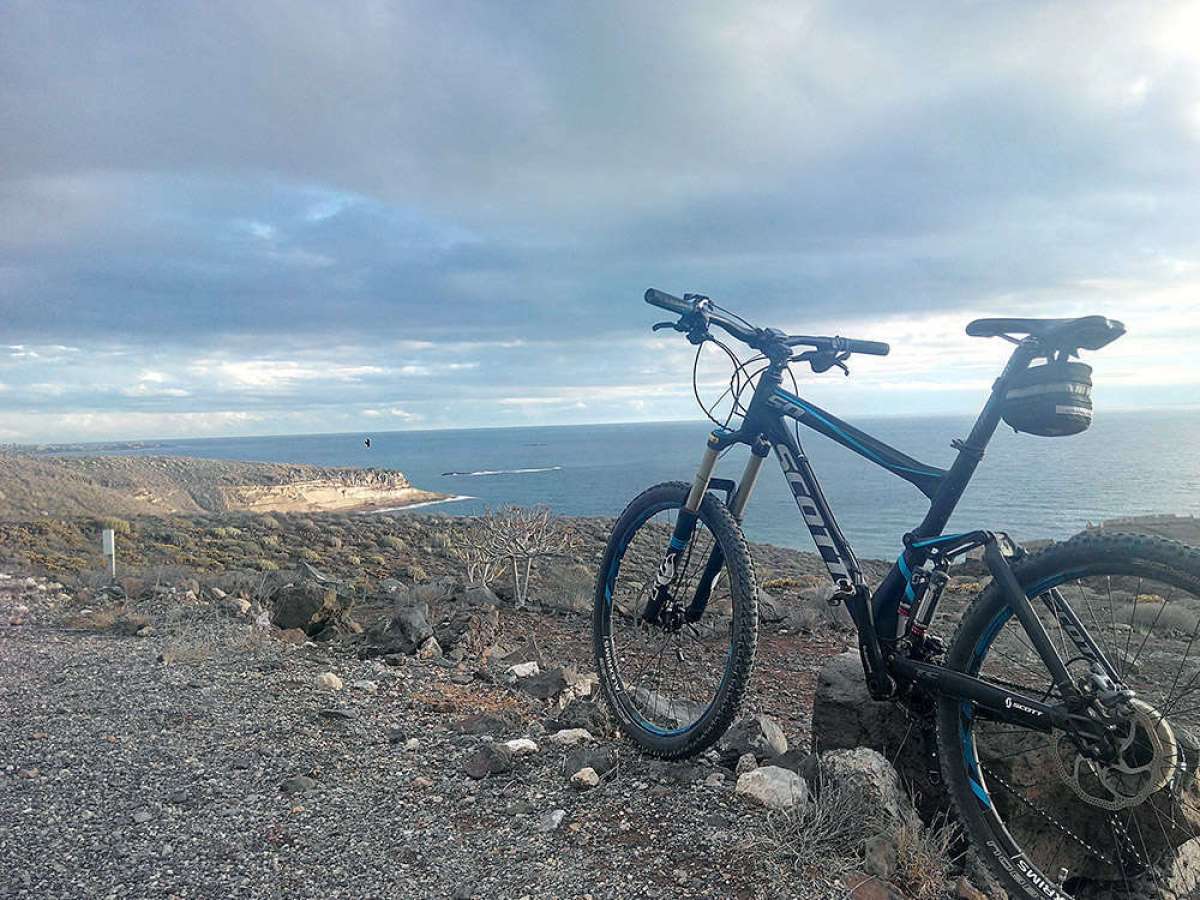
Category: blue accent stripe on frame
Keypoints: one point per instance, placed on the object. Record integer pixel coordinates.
(907, 573)
(939, 539)
(860, 447)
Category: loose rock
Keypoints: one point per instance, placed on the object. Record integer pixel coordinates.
(328, 681)
(520, 746)
(773, 787)
(490, 759)
(759, 735)
(602, 760)
(568, 737)
(551, 820)
(585, 779)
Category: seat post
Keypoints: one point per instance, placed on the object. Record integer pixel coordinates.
(970, 451)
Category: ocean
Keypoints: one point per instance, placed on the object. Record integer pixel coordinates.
(1128, 463)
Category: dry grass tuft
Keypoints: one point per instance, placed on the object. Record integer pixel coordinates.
(925, 859)
(116, 619)
(829, 834)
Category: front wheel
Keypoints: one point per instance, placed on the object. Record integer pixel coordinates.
(1046, 819)
(674, 668)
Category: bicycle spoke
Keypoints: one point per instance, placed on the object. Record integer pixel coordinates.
(672, 673)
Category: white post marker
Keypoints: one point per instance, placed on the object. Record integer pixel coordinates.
(109, 542)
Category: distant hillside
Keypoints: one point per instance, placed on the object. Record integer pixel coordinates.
(32, 485)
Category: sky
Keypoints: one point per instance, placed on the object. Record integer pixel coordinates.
(223, 218)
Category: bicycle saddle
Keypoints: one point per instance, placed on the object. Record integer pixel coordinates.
(1088, 332)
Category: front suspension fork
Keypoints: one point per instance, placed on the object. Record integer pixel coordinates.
(685, 528)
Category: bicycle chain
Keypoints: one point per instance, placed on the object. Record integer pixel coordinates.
(991, 774)
(1119, 830)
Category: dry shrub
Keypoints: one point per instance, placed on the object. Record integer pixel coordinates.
(566, 585)
(196, 634)
(112, 618)
(829, 834)
(1178, 614)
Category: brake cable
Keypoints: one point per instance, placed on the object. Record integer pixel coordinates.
(708, 411)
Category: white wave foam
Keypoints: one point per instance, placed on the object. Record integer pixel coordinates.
(392, 509)
(503, 471)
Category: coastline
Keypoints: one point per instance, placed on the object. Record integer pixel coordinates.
(454, 498)
(33, 486)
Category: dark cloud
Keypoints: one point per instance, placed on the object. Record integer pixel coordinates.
(259, 179)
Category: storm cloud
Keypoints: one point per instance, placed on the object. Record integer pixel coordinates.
(234, 218)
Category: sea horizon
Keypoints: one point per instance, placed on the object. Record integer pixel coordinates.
(1132, 462)
(848, 417)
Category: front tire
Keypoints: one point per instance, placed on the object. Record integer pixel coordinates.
(683, 710)
(1045, 826)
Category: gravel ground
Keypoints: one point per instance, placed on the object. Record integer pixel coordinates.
(124, 776)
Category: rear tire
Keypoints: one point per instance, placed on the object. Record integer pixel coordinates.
(740, 592)
(1008, 817)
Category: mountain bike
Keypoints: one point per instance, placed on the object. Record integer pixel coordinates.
(1065, 706)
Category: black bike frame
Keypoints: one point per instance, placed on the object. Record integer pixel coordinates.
(883, 618)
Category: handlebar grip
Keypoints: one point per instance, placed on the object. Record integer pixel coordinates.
(874, 348)
(666, 301)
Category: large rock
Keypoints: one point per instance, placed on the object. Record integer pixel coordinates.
(481, 595)
(304, 604)
(404, 632)
(759, 735)
(580, 714)
(845, 717)
(471, 630)
(773, 787)
(545, 685)
(872, 780)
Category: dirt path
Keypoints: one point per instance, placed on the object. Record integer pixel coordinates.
(227, 772)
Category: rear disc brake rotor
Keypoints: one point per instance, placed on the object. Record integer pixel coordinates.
(1148, 757)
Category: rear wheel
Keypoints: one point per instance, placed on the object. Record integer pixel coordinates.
(1048, 821)
(674, 688)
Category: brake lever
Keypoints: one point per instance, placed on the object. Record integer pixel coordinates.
(659, 326)
(824, 360)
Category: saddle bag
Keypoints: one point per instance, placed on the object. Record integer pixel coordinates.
(1051, 400)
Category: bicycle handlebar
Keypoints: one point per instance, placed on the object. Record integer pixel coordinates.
(760, 338)
(666, 301)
